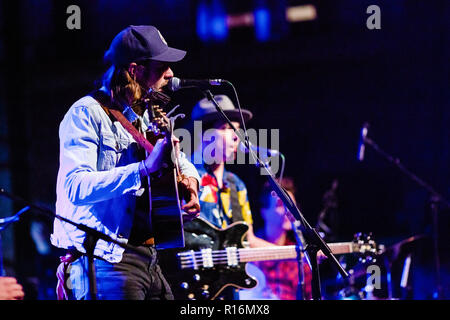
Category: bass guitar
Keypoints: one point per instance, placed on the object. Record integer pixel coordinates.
(218, 259)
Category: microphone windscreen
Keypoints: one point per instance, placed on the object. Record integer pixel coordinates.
(174, 84)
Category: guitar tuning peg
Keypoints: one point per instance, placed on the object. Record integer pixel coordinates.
(184, 285)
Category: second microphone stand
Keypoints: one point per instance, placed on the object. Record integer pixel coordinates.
(313, 242)
(92, 236)
(436, 199)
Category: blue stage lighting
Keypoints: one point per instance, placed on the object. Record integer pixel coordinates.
(262, 23)
(212, 21)
(202, 21)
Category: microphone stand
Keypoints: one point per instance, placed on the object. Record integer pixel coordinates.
(5, 223)
(313, 242)
(435, 200)
(92, 236)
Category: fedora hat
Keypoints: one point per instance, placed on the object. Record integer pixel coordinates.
(205, 110)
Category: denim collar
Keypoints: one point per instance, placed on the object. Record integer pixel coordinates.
(132, 116)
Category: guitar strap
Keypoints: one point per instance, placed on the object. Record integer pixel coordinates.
(236, 208)
(142, 225)
(105, 102)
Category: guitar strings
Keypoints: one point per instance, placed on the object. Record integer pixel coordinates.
(193, 259)
(254, 251)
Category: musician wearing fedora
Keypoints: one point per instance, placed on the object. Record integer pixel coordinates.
(103, 179)
(218, 185)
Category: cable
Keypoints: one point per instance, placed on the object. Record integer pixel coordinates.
(240, 110)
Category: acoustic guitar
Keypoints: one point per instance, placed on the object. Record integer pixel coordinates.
(166, 213)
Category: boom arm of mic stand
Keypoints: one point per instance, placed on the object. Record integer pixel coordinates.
(50, 213)
(82, 227)
(314, 242)
(436, 196)
(92, 236)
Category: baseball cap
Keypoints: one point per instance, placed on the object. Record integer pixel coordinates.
(136, 43)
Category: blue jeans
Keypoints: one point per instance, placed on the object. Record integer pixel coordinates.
(135, 277)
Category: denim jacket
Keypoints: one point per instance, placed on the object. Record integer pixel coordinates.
(98, 178)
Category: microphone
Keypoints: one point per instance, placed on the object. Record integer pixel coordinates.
(269, 152)
(177, 83)
(362, 146)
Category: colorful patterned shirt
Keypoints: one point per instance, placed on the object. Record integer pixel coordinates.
(215, 204)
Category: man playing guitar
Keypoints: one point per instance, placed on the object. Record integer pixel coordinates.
(105, 178)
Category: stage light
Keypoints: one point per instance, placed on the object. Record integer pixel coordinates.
(262, 23)
(246, 19)
(218, 25)
(301, 13)
(202, 21)
(212, 21)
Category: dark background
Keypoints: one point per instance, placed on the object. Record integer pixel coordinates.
(316, 81)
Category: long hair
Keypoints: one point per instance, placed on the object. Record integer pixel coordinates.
(123, 87)
(287, 183)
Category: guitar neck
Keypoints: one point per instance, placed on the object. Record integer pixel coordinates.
(286, 252)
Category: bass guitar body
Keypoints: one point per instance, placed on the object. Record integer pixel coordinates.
(215, 259)
(207, 283)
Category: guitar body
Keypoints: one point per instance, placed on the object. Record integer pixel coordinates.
(166, 212)
(207, 283)
(167, 219)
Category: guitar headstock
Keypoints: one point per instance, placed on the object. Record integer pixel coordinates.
(160, 124)
(366, 247)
